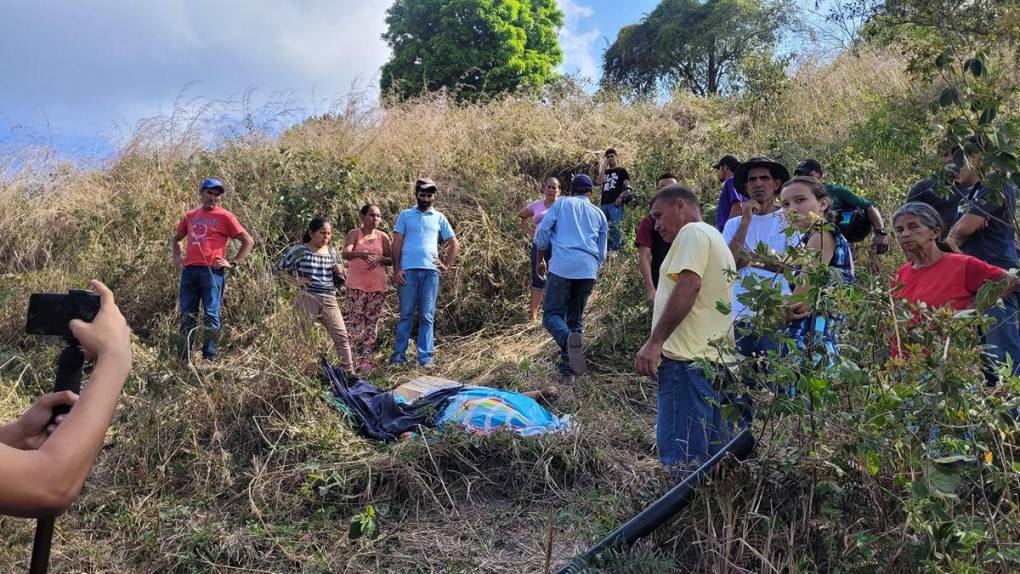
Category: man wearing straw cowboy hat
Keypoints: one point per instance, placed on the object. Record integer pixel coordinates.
(760, 222)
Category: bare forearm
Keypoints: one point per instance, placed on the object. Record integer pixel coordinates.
(64, 461)
(645, 266)
(737, 245)
(678, 306)
(734, 210)
(381, 259)
(243, 253)
(956, 239)
(88, 420)
(246, 245)
(397, 245)
(875, 218)
(11, 436)
(967, 225)
(451, 253)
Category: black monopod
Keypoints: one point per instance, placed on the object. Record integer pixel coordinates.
(49, 314)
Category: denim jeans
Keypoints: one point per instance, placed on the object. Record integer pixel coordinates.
(563, 311)
(689, 425)
(200, 285)
(751, 344)
(614, 214)
(418, 293)
(1002, 335)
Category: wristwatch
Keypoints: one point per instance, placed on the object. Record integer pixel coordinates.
(881, 232)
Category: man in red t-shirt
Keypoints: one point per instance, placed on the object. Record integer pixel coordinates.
(208, 230)
(652, 248)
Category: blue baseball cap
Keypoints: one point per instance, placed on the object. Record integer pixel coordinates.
(581, 181)
(212, 183)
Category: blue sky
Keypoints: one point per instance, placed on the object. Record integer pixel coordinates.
(590, 26)
(80, 76)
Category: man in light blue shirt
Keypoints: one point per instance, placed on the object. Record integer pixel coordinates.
(577, 230)
(416, 268)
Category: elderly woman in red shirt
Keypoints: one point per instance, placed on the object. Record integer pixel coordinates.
(932, 276)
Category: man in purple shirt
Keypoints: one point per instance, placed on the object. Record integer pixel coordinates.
(729, 198)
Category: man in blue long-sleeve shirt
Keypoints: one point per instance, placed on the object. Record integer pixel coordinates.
(577, 232)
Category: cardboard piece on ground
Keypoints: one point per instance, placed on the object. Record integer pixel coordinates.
(419, 386)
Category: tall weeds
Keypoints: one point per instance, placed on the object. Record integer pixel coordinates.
(242, 466)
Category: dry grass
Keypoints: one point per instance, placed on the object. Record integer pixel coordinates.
(242, 466)
(829, 101)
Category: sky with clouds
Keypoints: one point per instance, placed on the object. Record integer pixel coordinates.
(81, 75)
(590, 26)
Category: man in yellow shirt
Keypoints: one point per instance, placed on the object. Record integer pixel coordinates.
(686, 321)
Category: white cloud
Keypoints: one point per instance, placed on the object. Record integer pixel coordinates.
(80, 68)
(577, 42)
(573, 12)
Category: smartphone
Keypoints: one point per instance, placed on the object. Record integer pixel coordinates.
(50, 313)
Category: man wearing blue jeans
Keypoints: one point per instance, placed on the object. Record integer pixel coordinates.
(984, 229)
(208, 229)
(416, 269)
(577, 231)
(686, 321)
(615, 182)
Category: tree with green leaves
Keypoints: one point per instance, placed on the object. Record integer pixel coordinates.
(967, 50)
(474, 48)
(694, 45)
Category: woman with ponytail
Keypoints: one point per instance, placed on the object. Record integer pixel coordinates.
(805, 202)
(367, 251)
(530, 217)
(314, 268)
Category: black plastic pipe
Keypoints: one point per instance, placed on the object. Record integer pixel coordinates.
(69, 366)
(660, 511)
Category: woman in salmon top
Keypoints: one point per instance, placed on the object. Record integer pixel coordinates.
(367, 251)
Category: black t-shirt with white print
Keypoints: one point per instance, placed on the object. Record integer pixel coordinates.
(613, 185)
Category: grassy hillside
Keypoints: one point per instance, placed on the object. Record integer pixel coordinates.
(241, 466)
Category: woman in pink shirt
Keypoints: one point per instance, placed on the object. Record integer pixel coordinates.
(367, 251)
(531, 216)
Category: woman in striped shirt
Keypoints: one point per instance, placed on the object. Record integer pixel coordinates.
(312, 267)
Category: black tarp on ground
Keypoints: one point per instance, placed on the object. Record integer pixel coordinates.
(377, 414)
